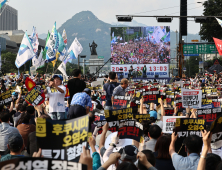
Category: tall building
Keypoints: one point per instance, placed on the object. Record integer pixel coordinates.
(8, 18)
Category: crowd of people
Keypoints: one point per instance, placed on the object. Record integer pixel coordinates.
(155, 151)
(140, 52)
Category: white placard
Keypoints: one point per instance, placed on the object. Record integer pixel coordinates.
(169, 122)
(191, 98)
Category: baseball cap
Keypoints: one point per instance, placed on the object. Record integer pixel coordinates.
(153, 113)
(129, 152)
(59, 76)
(15, 141)
(87, 90)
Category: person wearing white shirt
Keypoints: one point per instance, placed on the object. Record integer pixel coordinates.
(56, 93)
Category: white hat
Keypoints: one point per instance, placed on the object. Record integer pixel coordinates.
(121, 144)
(98, 137)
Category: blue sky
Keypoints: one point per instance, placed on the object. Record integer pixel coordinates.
(43, 13)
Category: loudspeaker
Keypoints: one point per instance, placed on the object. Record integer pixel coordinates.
(156, 76)
(144, 76)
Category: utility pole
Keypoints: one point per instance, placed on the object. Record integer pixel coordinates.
(182, 31)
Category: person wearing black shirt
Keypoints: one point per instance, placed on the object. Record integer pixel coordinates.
(75, 85)
(109, 87)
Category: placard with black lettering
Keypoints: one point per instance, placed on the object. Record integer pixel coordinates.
(216, 129)
(62, 139)
(35, 97)
(185, 127)
(130, 129)
(30, 163)
(121, 102)
(191, 98)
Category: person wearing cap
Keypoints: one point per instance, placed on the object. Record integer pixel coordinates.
(5, 131)
(56, 93)
(80, 104)
(16, 146)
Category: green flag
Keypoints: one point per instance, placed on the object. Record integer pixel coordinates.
(45, 50)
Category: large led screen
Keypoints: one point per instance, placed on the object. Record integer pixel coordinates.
(140, 45)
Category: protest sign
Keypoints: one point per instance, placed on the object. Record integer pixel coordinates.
(30, 163)
(113, 126)
(130, 129)
(35, 97)
(6, 97)
(169, 111)
(216, 129)
(70, 137)
(141, 117)
(151, 96)
(185, 127)
(191, 98)
(209, 114)
(121, 101)
(169, 123)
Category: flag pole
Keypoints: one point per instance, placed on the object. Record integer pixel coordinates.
(4, 7)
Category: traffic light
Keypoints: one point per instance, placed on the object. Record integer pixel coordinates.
(183, 20)
(201, 20)
(164, 19)
(124, 19)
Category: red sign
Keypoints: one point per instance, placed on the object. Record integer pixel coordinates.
(218, 44)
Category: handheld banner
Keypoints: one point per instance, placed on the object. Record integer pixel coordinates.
(62, 139)
(191, 98)
(30, 163)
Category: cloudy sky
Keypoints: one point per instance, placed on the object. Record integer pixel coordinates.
(43, 13)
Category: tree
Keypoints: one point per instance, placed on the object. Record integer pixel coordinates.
(8, 62)
(212, 28)
(192, 65)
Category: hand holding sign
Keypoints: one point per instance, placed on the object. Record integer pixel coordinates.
(85, 158)
(206, 138)
(173, 137)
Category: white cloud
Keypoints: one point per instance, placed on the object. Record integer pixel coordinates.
(98, 29)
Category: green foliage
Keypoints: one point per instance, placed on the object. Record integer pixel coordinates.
(211, 29)
(192, 65)
(8, 62)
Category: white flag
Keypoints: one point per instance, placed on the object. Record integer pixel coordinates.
(62, 69)
(219, 21)
(76, 48)
(113, 34)
(52, 45)
(25, 52)
(34, 40)
(38, 61)
(64, 36)
(63, 54)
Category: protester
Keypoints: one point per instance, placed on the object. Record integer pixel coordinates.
(193, 146)
(75, 85)
(154, 133)
(108, 88)
(56, 93)
(15, 144)
(24, 127)
(80, 104)
(5, 131)
(161, 153)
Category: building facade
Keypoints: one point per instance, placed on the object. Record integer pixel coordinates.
(8, 18)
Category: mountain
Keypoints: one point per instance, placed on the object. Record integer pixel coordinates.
(43, 36)
(134, 23)
(87, 27)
